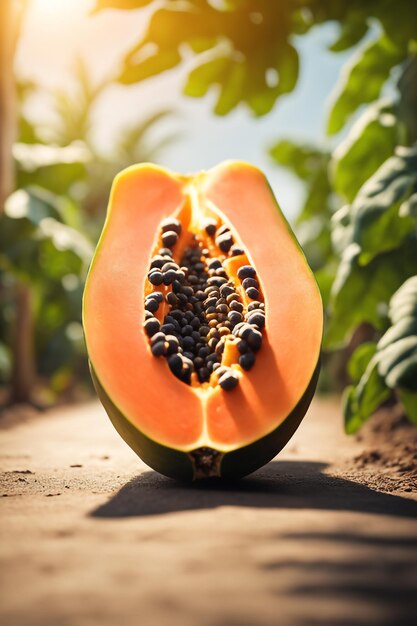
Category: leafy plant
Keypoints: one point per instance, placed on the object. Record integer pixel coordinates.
(377, 369)
(311, 165)
(62, 191)
(362, 253)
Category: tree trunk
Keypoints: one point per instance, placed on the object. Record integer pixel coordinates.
(23, 363)
(7, 98)
(11, 13)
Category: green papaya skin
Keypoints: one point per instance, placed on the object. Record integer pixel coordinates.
(232, 465)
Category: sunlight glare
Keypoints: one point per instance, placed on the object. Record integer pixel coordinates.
(55, 7)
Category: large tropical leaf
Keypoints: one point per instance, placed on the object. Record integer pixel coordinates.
(250, 58)
(370, 141)
(362, 293)
(362, 80)
(54, 168)
(391, 365)
(382, 215)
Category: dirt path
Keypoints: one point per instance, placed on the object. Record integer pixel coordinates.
(91, 536)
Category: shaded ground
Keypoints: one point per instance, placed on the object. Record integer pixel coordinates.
(91, 536)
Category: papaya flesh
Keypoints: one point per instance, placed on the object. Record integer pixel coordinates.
(203, 321)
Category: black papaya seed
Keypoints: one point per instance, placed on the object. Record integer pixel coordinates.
(247, 361)
(246, 271)
(159, 348)
(257, 318)
(228, 381)
(155, 278)
(175, 364)
(152, 326)
(254, 340)
(170, 238)
(248, 282)
(252, 293)
(171, 224)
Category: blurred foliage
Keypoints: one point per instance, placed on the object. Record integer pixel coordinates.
(362, 251)
(358, 222)
(52, 221)
(311, 165)
(391, 364)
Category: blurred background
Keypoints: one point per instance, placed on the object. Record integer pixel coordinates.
(320, 95)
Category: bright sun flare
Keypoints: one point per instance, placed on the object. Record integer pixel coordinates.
(54, 7)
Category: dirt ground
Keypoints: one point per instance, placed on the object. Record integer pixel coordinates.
(326, 534)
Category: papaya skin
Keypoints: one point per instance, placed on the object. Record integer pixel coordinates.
(243, 429)
(234, 465)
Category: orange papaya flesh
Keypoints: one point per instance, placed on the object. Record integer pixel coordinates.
(201, 429)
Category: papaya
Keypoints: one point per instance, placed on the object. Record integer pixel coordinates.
(202, 319)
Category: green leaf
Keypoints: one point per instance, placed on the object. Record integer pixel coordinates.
(303, 161)
(232, 88)
(33, 203)
(407, 103)
(150, 66)
(54, 168)
(341, 229)
(380, 219)
(370, 142)
(31, 157)
(361, 293)
(377, 224)
(404, 302)
(65, 238)
(409, 207)
(351, 32)
(35, 245)
(362, 80)
(204, 76)
(397, 349)
(360, 359)
(253, 41)
(362, 401)
(409, 402)
(5, 362)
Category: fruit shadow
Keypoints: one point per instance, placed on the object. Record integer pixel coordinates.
(279, 485)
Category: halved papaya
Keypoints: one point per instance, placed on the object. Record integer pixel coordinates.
(202, 319)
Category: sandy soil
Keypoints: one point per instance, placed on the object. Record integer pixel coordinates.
(91, 536)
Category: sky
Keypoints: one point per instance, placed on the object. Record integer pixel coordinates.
(57, 31)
